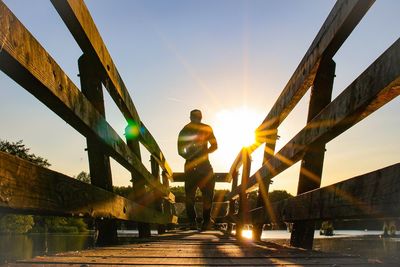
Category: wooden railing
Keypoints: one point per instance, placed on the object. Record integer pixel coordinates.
(370, 195)
(24, 59)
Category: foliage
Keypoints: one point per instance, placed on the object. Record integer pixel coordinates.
(278, 195)
(11, 223)
(83, 177)
(19, 224)
(20, 150)
(125, 191)
(274, 196)
(54, 224)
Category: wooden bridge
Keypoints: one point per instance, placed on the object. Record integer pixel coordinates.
(28, 189)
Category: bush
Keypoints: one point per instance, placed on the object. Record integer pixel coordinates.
(19, 224)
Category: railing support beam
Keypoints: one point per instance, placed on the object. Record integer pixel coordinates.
(155, 170)
(99, 162)
(138, 181)
(243, 201)
(313, 160)
(263, 184)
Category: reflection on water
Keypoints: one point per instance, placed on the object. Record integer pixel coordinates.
(372, 247)
(367, 244)
(19, 246)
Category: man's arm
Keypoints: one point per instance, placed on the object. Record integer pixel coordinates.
(213, 142)
(181, 146)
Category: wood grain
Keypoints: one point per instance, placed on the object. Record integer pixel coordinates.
(27, 62)
(27, 188)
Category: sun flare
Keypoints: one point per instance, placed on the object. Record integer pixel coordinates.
(236, 126)
(234, 129)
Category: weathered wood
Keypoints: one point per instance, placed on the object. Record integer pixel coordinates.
(211, 248)
(372, 195)
(263, 184)
(99, 162)
(243, 201)
(140, 195)
(312, 163)
(57, 194)
(80, 23)
(167, 206)
(220, 177)
(376, 86)
(26, 61)
(341, 21)
(155, 170)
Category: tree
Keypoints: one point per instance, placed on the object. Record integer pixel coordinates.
(19, 224)
(124, 191)
(10, 223)
(278, 195)
(83, 177)
(20, 150)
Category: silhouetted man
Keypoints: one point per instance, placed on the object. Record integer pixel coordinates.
(196, 140)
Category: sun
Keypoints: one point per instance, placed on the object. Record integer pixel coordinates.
(234, 129)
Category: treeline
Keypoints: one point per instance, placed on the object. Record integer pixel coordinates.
(22, 224)
(12, 223)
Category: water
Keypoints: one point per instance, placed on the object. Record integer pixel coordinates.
(364, 243)
(367, 244)
(25, 246)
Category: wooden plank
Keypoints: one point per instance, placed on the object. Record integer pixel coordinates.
(220, 177)
(339, 24)
(57, 194)
(263, 184)
(27, 62)
(80, 23)
(233, 260)
(140, 194)
(187, 248)
(372, 195)
(341, 21)
(99, 162)
(302, 234)
(178, 261)
(376, 86)
(243, 201)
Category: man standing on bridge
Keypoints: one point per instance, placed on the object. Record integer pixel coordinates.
(193, 146)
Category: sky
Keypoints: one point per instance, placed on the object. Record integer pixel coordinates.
(230, 59)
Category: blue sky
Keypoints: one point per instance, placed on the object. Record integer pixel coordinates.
(175, 56)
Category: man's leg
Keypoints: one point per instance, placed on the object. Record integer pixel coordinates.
(190, 192)
(207, 192)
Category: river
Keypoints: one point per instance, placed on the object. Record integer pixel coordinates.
(364, 243)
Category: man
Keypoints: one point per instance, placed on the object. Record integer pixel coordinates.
(196, 140)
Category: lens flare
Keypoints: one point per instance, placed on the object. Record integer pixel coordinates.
(247, 234)
(132, 131)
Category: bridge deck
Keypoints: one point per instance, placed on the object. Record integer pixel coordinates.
(190, 248)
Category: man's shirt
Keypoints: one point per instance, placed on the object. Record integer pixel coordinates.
(193, 141)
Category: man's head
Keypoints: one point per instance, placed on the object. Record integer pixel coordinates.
(195, 116)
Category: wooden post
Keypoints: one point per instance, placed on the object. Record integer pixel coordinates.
(243, 201)
(232, 202)
(263, 185)
(167, 207)
(312, 163)
(155, 170)
(138, 181)
(99, 162)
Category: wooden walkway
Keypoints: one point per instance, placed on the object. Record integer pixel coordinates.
(190, 248)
